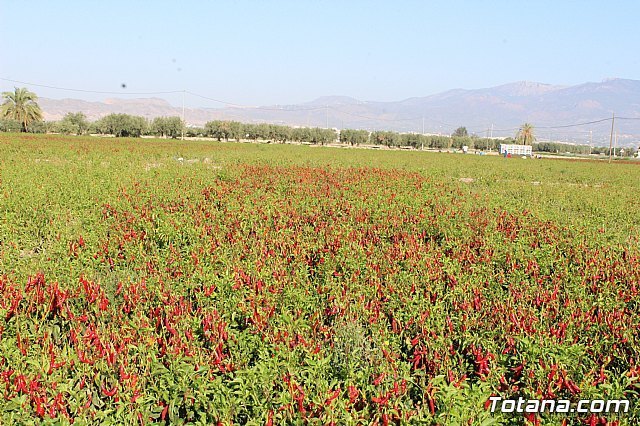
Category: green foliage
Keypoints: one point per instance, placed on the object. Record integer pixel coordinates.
(41, 127)
(166, 127)
(354, 137)
(194, 283)
(195, 132)
(459, 141)
(122, 125)
(390, 139)
(525, 135)
(8, 125)
(268, 132)
(562, 148)
(73, 124)
(460, 132)
(321, 136)
(224, 130)
(21, 106)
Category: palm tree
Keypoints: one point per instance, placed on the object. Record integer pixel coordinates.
(21, 105)
(525, 134)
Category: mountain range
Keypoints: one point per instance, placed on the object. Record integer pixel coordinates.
(556, 111)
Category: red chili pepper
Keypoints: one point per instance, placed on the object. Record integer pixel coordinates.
(353, 394)
(332, 397)
(163, 415)
(109, 392)
(379, 379)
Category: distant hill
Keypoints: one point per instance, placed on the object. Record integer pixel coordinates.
(505, 107)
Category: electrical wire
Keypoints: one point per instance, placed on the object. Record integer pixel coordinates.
(312, 108)
(91, 91)
(575, 125)
(231, 104)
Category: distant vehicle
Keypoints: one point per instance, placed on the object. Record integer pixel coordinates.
(512, 149)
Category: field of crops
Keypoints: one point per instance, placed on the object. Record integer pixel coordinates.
(198, 282)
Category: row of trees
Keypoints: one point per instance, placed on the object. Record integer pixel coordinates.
(124, 125)
(120, 125)
(21, 112)
(554, 147)
(416, 140)
(235, 130)
(562, 148)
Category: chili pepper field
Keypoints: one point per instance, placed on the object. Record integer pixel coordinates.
(195, 282)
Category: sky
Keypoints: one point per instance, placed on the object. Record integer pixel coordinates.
(287, 52)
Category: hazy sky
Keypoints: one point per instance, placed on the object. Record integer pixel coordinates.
(281, 52)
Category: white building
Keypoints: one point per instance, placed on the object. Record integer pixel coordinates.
(515, 149)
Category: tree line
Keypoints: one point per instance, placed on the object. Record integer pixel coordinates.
(125, 125)
(20, 113)
(562, 148)
(119, 125)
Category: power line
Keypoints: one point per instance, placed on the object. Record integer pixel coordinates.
(574, 125)
(91, 91)
(215, 100)
(300, 109)
(392, 120)
(493, 129)
(157, 93)
(561, 126)
(232, 104)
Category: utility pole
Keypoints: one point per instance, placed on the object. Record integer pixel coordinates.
(491, 136)
(613, 120)
(327, 111)
(183, 123)
(422, 126)
(486, 139)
